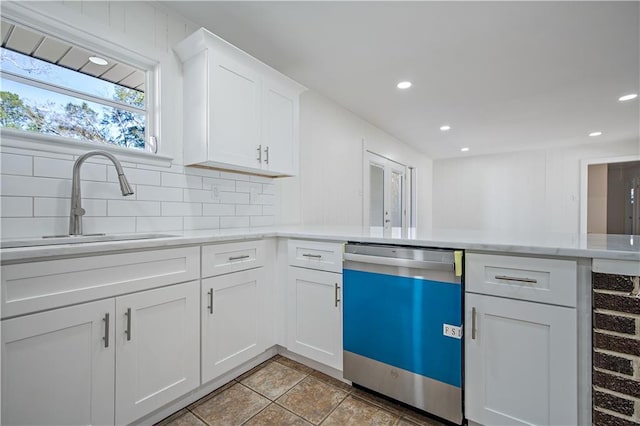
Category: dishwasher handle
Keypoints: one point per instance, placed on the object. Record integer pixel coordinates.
(404, 263)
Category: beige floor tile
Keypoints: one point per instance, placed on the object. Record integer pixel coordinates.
(379, 401)
(254, 369)
(332, 381)
(312, 399)
(181, 418)
(211, 395)
(273, 380)
(295, 365)
(275, 415)
(231, 407)
(405, 422)
(354, 411)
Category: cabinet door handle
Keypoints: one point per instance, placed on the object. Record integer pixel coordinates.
(128, 330)
(210, 307)
(259, 149)
(473, 323)
(106, 330)
(266, 155)
(336, 295)
(246, 256)
(315, 256)
(517, 279)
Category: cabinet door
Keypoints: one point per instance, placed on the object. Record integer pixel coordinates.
(520, 362)
(235, 112)
(315, 315)
(280, 109)
(158, 348)
(233, 321)
(58, 366)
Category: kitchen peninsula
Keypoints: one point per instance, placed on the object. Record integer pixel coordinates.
(82, 276)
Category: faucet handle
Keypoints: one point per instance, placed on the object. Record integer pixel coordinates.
(78, 211)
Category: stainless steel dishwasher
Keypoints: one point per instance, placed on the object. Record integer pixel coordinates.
(402, 325)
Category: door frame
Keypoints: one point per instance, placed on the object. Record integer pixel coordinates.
(584, 179)
(407, 190)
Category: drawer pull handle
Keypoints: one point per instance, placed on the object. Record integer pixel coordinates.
(473, 323)
(210, 307)
(314, 256)
(128, 330)
(520, 280)
(106, 330)
(246, 256)
(336, 295)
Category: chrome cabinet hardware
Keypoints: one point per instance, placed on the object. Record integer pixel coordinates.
(266, 155)
(336, 294)
(517, 279)
(473, 323)
(128, 330)
(259, 149)
(246, 256)
(210, 307)
(106, 330)
(315, 256)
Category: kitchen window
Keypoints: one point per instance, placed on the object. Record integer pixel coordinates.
(55, 88)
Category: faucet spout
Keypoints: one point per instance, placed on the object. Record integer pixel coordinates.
(76, 211)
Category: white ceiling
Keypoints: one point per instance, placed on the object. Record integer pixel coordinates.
(505, 75)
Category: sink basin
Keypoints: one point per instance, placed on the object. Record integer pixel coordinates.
(78, 239)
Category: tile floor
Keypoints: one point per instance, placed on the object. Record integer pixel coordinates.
(281, 391)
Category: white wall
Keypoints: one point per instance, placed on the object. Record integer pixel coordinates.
(529, 191)
(36, 183)
(329, 190)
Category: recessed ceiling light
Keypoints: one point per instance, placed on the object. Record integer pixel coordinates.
(98, 60)
(595, 133)
(404, 85)
(465, 149)
(445, 128)
(628, 97)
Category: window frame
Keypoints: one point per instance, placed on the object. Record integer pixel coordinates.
(22, 15)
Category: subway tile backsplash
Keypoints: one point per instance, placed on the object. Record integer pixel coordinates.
(36, 187)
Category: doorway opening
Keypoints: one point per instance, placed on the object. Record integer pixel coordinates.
(612, 195)
(389, 201)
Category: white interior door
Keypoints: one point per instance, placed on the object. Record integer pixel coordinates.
(385, 195)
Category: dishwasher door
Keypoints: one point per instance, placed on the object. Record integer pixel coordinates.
(402, 325)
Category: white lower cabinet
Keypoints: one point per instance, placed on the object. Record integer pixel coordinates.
(58, 366)
(314, 320)
(158, 348)
(520, 362)
(233, 321)
(106, 362)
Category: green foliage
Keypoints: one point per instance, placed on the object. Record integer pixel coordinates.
(78, 120)
(13, 112)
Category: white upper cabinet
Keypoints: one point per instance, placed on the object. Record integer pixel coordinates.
(239, 114)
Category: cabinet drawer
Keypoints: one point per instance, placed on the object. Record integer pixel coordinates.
(550, 281)
(316, 255)
(36, 286)
(221, 259)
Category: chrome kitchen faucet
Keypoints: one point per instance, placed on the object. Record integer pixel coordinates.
(76, 213)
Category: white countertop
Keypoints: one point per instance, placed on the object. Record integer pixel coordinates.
(619, 247)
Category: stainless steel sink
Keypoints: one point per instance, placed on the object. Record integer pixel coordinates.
(78, 239)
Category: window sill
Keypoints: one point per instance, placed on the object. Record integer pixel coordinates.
(38, 142)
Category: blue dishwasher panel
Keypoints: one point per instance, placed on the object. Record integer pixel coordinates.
(399, 321)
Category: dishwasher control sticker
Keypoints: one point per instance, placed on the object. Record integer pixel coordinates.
(452, 331)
